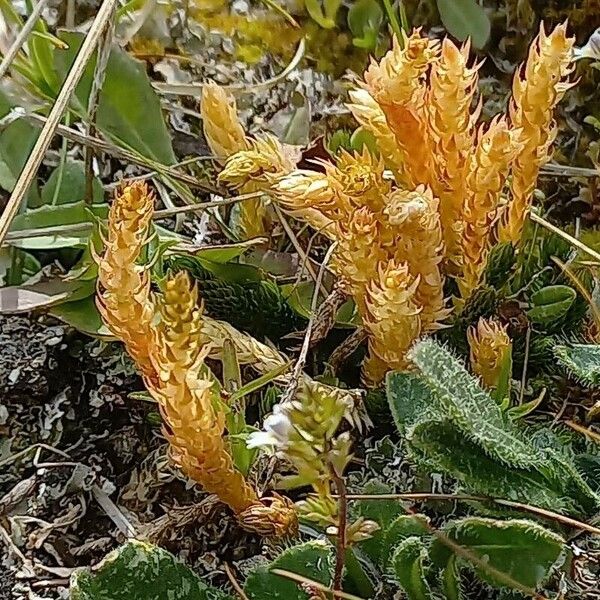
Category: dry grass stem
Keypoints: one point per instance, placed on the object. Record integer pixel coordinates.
(60, 105)
(22, 37)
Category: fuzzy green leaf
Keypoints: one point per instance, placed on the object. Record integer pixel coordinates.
(402, 527)
(469, 406)
(141, 571)
(444, 447)
(451, 580)
(383, 512)
(408, 397)
(523, 550)
(582, 361)
(407, 563)
(314, 560)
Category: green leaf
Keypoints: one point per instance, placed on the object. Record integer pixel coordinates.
(523, 550)
(298, 118)
(243, 457)
(225, 253)
(16, 142)
(593, 121)
(41, 50)
(522, 410)
(402, 527)
(360, 138)
(339, 140)
(56, 216)
(129, 110)
(141, 571)
(83, 316)
(582, 361)
(469, 406)
(299, 297)
(383, 512)
(465, 18)
(72, 185)
(407, 563)
(259, 382)
(551, 303)
(314, 560)
(451, 580)
(31, 265)
(364, 19)
(442, 446)
(408, 397)
(324, 13)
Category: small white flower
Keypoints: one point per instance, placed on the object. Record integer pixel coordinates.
(591, 49)
(277, 430)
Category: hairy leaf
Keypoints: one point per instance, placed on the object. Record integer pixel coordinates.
(314, 560)
(140, 571)
(407, 563)
(402, 527)
(582, 361)
(469, 406)
(523, 550)
(444, 447)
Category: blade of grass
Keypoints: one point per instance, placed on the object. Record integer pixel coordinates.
(22, 37)
(393, 19)
(563, 234)
(259, 382)
(43, 142)
(314, 584)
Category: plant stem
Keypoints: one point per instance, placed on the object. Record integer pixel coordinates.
(314, 584)
(340, 552)
(535, 510)
(103, 54)
(393, 19)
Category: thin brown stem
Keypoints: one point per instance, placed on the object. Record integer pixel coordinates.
(340, 547)
(290, 233)
(292, 386)
(126, 155)
(12, 236)
(235, 584)
(346, 348)
(595, 437)
(520, 506)
(563, 234)
(314, 584)
(103, 54)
